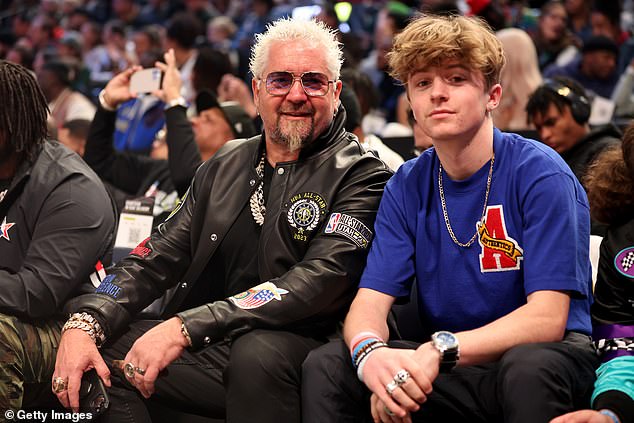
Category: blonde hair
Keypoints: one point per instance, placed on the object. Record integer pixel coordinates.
(432, 40)
(283, 30)
(519, 78)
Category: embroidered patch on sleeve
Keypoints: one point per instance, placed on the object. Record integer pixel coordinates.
(141, 250)
(107, 287)
(258, 296)
(350, 227)
(624, 262)
(305, 213)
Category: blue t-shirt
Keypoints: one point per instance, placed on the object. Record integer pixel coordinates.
(537, 238)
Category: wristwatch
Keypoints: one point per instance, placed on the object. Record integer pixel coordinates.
(180, 101)
(447, 344)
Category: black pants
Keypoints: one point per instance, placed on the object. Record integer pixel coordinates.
(531, 383)
(255, 378)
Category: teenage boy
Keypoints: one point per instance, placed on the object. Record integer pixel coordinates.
(494, 230)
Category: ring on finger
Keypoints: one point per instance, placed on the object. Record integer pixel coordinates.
(140, 371)
(401, 377)
(59, 385)
(388, 411)
(391, 387)
(129, 369)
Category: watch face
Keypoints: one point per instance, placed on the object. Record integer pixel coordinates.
(445, 340)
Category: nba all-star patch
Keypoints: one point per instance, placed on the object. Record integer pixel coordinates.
(305, 213)
(4, 229)
(350, 227)
(258, 296)
(624, 262)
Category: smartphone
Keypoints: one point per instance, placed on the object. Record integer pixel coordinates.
(93, 397)
(146, 80)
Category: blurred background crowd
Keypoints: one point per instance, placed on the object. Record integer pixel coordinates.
(76, 46)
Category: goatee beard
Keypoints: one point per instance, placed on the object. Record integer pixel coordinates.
(292, 138)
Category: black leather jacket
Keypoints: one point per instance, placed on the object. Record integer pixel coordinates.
(333, 189)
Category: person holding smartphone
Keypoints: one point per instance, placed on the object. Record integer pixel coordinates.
(189, 141)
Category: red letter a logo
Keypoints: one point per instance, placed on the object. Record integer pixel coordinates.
(499, 251)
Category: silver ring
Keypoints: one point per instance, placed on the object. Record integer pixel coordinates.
(401, 377)
(140, 371)
(129, 369)
(388, 411)
(391, 387)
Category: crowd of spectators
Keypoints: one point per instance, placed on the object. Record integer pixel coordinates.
(76, 46)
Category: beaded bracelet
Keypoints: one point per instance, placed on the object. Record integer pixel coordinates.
(360, 337)
(360, 364)
(365, 352)
(610, 414)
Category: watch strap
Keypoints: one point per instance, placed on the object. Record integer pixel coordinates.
(180, 101)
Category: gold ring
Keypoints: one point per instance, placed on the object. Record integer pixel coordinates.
(128, 369)
(140, 371)
(59, 385)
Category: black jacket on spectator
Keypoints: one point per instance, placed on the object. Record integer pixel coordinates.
(57, 223)
(585, 151)
(129, 175)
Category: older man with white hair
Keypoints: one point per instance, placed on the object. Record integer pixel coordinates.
(264, 255)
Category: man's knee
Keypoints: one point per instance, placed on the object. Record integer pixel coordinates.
(534, 364)
(326, 362)
(263, 354)
(11, 340)
(11, 362)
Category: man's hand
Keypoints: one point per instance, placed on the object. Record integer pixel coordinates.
(76, 354)
(583, 416)
(232, 88)
(380, 413)
(117, 91)
(172, 82)
(154, 351)
(382, 365)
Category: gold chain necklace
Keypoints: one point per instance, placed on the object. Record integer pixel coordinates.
(444, 205)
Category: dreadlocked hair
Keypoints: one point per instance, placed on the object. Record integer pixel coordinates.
(24, 110)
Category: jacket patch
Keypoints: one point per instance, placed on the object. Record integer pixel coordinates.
(141, 250)
(4, 229)
(500, 252)
(98, 275)
(108, 288)
(624, 262)
(258, 296)
(350, 227)
(305, 213)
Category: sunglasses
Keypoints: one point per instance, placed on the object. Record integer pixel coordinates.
(315, 84)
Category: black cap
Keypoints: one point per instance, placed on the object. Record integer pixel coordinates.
(240, 122)
(600, 43)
